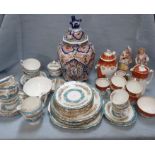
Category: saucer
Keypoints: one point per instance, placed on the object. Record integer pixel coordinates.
(130, 120)
(25, 78)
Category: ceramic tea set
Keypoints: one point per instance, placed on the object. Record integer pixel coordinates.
(75, 104)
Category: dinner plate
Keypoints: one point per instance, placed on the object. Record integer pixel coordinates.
(130, 120)
(73, 95)
(97, 106)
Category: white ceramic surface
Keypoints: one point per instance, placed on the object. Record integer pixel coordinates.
(102, 82)
(118, 81)
(134, 87)
(31, 64)
(147, 104)
(37, 86)
(119, 97)
(74, 95)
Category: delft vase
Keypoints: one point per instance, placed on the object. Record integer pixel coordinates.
(76, 53)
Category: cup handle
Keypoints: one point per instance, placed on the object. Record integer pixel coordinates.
(151, 74)
(18, 107)
(21, 62)
(96, 66)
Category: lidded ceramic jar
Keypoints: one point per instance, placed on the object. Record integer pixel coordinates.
(76, 53)
(143, 74)
(107, 64)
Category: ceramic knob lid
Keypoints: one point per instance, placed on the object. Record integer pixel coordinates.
(108, 55)
(54, 65)
(75, 34)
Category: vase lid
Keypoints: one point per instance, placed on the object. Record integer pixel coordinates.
(75, 34)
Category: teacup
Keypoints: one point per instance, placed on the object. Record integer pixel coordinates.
(30, 66)
(120, 103)
(117, 82)
(122, 73)
(135, 89)
(102, 84)
(31, 108)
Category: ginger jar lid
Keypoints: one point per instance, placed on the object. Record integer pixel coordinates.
(108, 56)
(75, 34)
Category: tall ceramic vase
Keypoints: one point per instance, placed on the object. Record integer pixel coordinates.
(76, 53)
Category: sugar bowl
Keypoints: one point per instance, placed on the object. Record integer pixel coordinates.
(143, 74)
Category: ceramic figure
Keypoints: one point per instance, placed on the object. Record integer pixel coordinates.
(125, 59)
(76, 53)
(142, 57)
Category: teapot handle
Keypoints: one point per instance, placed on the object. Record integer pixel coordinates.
(151, 75)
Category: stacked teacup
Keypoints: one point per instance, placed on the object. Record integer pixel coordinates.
(31, 68)
(120, 103)
(9, 98)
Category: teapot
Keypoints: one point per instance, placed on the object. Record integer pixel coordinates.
(107, 64)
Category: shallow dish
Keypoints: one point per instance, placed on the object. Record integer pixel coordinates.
(24, 78)
(146, 106)
(37, 86)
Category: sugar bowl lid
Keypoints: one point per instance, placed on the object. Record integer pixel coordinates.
(140, 68)
(54, 65)
(108, 55)
(75, 34)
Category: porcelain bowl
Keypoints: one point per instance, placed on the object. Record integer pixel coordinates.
(37, 86)
(146, 106)
(102, 84)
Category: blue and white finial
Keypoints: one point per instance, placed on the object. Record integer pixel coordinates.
(75, 23)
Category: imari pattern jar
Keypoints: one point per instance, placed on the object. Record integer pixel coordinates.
(76, 53)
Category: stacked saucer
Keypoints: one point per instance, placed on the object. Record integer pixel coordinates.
(9, 98)
(118, 110)
(76, 105)
(31, 69)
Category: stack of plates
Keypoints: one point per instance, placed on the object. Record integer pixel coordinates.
(76, 105)
(9, 99)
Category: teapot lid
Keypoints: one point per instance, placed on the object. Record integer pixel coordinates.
(75, 34)
(108, 55)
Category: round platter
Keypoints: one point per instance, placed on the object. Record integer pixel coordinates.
(24, 78)
(86, 126)
(126, 122)
(73, 95)
(97, 106)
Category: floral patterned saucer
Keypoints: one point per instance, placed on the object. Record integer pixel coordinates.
(130, 120)
(24, 78)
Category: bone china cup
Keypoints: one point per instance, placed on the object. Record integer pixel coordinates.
(117, 82)
(102, 84)
(134, 89)
(31, 108)
(146, 106)
(30, 65)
